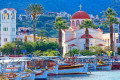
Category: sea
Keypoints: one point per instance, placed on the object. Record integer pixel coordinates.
(94, 75)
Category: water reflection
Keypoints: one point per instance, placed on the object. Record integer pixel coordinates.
(95, 75)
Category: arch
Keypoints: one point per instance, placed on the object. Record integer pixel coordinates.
(2, 16)
(12, 16)
(73, 23)
(70, 23)
(7, 16)
(77, 23)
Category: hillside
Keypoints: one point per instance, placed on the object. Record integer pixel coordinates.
(90, 6)
(116, 6)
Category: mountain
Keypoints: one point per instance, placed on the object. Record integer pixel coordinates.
(116, 6)
(71, 6)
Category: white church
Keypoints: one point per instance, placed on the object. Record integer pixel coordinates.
(8, 25)
(75, 37)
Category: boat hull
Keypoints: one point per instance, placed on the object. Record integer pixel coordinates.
(72, 69)
(104, 67)
(42, 76)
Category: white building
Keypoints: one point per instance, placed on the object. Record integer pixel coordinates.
(75, 37)
(8, 25)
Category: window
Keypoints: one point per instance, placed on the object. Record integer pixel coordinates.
(2, 16)
(91, 44)
(5, 29)
(13, 39)
(73, 23)
(7, 16)
(5, 39)
(84, 46)
(77, 23)
(82, 21)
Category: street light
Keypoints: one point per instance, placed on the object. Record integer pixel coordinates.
(15, 49)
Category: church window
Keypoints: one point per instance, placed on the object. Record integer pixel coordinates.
(73, 23)
(12, 16)
(13, 39)
(84, 46)
(2, 16)
(77, 23)
(91, 44)
(5, 39)
(82, 21)
(70, 23)
(5, 29)
(7, 16)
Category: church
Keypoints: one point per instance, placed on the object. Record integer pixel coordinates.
(75, 37)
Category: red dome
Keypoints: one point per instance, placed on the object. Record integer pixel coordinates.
(80, 15)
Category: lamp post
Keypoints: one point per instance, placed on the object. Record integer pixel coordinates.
(15, 49)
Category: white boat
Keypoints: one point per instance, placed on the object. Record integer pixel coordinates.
(40, 74)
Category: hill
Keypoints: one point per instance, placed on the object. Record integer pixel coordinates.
(71, 6)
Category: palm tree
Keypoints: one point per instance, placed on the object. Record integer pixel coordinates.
(110, 14)
(42, 34)
(110, 21)
(87, 24)
(34, 9)
(60, 24)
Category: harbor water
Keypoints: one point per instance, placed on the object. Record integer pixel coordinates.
(96, 75)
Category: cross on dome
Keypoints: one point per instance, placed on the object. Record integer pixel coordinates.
(80, 7)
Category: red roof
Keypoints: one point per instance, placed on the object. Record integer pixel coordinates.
(10, 8)
(83, 36)
(73, 45)
(99, 29)
(80, 15)
(100, 45)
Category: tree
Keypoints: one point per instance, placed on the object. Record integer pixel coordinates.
(8, 48)
(86, 52)
(28, 46)
(42, 34)
(60, 24)
(50, 52)
(87, 24)
(110, 15)
(34, 10)
(72, 52)
(97, 50)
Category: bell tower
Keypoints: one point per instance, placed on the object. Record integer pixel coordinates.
(8, 25)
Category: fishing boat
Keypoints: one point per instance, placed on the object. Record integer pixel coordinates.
(39, 69)
(91, 60)
(103, 66)
(70, 66)
(65, 66)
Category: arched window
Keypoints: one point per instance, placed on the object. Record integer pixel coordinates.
(2, 16)
(82, 21)
(70, 23)
(12, 16)
(77, 23)
(7, 16)
(73, 23)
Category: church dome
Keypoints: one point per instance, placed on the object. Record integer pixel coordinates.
(80, 15)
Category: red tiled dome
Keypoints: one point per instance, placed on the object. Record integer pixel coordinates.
(80, 15)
